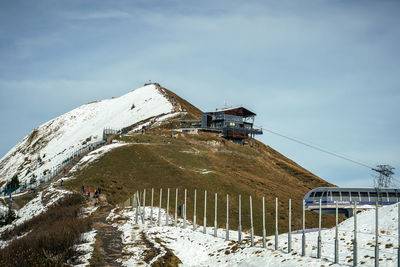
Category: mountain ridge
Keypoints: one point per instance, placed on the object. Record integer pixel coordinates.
(49, 143)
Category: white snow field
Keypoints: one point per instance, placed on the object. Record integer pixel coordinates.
(194, 248)
(58, 138)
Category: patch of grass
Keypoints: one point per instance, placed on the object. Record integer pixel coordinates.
(51, 237)
(192, 111)
(257, 171)
(22, 201)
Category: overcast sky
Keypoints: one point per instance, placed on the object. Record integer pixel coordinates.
(326, 72)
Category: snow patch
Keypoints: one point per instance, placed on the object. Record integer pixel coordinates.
(194, 248)
(85, 248)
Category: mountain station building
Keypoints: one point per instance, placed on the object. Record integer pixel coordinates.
(236, 124)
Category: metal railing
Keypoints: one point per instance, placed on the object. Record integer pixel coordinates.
(54, 171)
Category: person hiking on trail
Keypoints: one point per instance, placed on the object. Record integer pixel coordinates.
(83, 189)
(65, 171)
(61, 183)
(95, 193)
(88, 193)
(99, 190)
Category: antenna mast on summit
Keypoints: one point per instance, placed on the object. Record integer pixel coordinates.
(384, 177)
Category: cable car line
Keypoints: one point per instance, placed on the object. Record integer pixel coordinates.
(318, 148)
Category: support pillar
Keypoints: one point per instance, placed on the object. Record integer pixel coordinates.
(376, 236)
(176, 207)
(251, 223)
(167, 213)
(319, 230)
(144, 203)
(152, 204)
(159, 209)
(184, 211)
(303, 236)
(355, 260)
(227, 218)
(240, 221)
(276, 223)
(215, 215)
(398, 234)
(337, 236)
(194, 211)
(290, 227)
(263, 222)
(205, 213)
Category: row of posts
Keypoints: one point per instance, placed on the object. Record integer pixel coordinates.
(141, 213)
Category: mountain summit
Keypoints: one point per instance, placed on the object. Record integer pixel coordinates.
(51, 143)
(151, 139)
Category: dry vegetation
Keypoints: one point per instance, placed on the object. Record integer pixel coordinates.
(50, 237)
(192, 111)
(157, 160)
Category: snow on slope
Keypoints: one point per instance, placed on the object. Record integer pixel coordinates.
(54, 140)
(194, 248)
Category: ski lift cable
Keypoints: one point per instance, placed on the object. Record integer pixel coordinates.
(316, 147)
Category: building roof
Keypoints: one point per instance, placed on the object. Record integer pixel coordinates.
(237, 111)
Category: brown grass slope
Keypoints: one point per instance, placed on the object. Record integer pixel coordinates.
(205, 162)
(49, 237)
(192, 111)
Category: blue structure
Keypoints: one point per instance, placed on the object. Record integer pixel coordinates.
(345, 197)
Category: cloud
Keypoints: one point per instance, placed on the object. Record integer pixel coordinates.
(98, 15)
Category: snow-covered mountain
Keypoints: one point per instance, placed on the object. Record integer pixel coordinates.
(49, 144)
